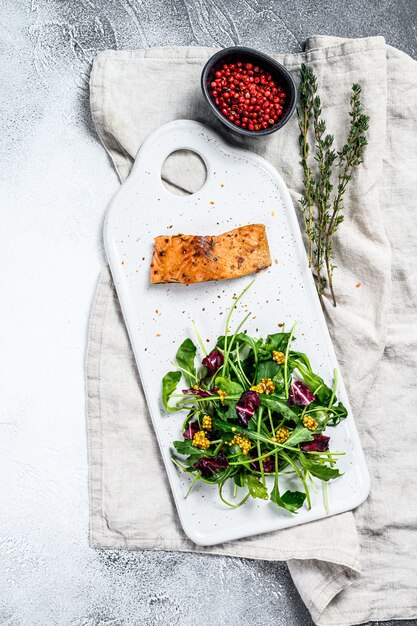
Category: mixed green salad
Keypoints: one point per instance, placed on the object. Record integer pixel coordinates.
(255, 409)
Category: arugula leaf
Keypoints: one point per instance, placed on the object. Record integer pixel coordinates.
(267, 369)
(227, 412)
(279, 405)
(279, 380)
(298, 435)
(239, 479)
(290, 500)
(340, 413)
(229, 386)
(293, 500)
(220, 424)
(301, 357)
(169, 384)
(324, 472)
(253, 427)
(193, 458)
(186, 447)
(256, 488)
(314, 382)
(277, 342)
(254, 344)
(185, 359)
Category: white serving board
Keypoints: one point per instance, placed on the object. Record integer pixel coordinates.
(245, 189)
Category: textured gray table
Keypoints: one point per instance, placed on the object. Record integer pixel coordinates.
(55, 184)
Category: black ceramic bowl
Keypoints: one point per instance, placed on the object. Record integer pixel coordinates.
(248, 55)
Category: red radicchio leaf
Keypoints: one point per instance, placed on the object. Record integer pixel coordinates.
(320, 443)
(300, 394)
(207, 465)
(201, 393)
(268, 464)
(191, 430)
(213, 361)
(246, 406)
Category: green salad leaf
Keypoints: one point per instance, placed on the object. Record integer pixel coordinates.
(186, 447)
(280, 406)
(185, 358)
(256, 488)
(290, 500)
(267, 369)
(298, 435)
(230, 387)
(324, 472)
(169, 385)
(277, 342)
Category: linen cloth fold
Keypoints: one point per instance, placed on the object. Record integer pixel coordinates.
(348, 568)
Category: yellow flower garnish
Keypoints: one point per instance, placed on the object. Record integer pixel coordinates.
(222, 395)
(207, 422)
(243, 443)
(310, 423)
(278, 357)
(281, 435)
(265, 386)
(200, 440)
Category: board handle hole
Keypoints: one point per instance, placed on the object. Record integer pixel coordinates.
(183, 172)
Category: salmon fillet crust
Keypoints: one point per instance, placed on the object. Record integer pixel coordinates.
(195, 258)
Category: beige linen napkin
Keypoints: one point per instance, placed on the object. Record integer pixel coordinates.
(131, 505)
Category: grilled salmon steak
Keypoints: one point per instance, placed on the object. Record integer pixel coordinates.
(195, 258)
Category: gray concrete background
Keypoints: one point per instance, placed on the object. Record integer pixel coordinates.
(55, 184)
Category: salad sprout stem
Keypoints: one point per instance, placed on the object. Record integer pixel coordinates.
(232, 308)
(258, 458)
(239, 364)
(218, 447)
(335, 381)
(200, 341)
(326, 497)
(238, 373)
(234, 506)
(227, 352)
(258, 444)
(310, 478)
(300, 474)
(178, 464)
(270, 421)
(196, 477)
(286, 360)
(184, 371)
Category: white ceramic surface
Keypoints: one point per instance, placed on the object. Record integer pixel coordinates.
(241, 188)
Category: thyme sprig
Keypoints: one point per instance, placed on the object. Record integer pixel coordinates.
(322, 210)
(307, 89)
